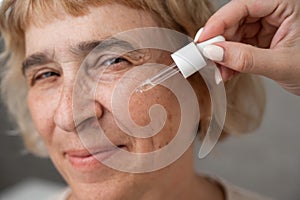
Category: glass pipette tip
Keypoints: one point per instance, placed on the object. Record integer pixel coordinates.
(157, 79)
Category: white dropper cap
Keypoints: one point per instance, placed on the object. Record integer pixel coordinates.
(190, 59)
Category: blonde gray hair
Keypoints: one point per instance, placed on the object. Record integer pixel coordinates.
(245, 93)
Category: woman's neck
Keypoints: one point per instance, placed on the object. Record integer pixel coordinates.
(194, 188)
(177, 181)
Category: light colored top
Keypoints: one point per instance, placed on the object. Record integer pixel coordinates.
(232, 192)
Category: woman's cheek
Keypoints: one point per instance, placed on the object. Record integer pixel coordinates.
(42, 112)
(141, 104)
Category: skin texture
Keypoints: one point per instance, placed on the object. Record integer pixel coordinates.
(50, 104)
(262, 36)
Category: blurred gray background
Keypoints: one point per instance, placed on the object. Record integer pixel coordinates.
(266, 161)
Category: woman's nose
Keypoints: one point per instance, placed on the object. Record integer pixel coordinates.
(74, 108)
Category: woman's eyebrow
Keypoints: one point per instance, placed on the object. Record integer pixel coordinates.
(84, 48)
(81, 50)
(39, 58)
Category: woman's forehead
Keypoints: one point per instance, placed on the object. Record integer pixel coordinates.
(97, 25)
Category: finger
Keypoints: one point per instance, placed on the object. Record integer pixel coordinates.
(246, 32)
(227, 74)
(233, 14)
(247, 59)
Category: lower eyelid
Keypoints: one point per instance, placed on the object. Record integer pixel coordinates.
(40, 76)
(119, 66)
(38, 79)
(108, 77)
(43, 83)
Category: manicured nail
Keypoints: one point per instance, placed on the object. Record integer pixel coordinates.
(218, 76)
(198, 35)
(214, 52)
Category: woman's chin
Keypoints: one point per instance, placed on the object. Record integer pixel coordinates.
(101, 184)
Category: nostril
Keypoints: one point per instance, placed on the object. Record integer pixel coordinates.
(64, 120)
(72, 112)
(86, 118)
(98, 110)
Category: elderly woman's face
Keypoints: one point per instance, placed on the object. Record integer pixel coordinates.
(54, 54)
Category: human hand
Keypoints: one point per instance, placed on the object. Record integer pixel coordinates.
(263, 37)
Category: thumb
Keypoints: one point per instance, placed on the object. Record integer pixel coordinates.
(245, 58)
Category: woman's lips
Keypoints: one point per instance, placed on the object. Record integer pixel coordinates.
(85, 159)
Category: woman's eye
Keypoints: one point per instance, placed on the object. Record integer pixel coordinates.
(114, 61)
(108, 68)
(44, 76)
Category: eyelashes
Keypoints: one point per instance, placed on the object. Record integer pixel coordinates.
(44, 75)
(102, 67)
(114, 61)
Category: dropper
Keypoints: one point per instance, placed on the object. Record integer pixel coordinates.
(187, 60)
(163, 75)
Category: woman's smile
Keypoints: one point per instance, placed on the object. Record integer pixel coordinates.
(91, 158)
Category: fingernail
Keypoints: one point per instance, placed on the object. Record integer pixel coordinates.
(218, 76)
(198, 35)
(213, 52)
